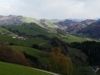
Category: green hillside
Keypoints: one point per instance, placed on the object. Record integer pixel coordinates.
(51, 26)
(28, 29)
(29, 20)
(12, 69)
(49, 23)
(34, 52)
(43, 57)
(78, 69)
(27, 42)
(71, 38)
(37, 53)
(5, 31)
(36, 31)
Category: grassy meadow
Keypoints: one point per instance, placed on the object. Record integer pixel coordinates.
(12, 69)
(29, 29)
(27, 42)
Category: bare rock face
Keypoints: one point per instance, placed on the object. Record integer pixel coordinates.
(10, 20)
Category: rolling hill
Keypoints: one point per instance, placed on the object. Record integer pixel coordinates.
(13, 69)
(28, 29)
(37, 37)
(53, 25)
(41, 55)
(18, 20)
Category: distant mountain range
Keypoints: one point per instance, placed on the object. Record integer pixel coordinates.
(72, 26)
(75, 26)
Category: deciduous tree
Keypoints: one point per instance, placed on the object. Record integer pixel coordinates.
(60, 63)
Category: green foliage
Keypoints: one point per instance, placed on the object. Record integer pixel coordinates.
(12, 69)
(78, 68)
(91, 49)
(77, 53)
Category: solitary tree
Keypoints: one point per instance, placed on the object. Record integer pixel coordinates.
(60, 63)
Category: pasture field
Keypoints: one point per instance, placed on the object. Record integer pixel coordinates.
(29, 29)
(12, 69)
(27, 42)
(70, 38)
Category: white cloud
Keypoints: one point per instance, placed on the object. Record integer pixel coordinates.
(6, 9)
(60, 9)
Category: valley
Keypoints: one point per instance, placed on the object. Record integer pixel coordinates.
(32, 40)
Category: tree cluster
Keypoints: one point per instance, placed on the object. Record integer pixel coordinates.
(56, 42)
(9, 55)
(91, 49)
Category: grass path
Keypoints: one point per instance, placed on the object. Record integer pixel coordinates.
(46, 71)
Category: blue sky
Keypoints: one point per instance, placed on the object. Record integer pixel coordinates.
(52, 9)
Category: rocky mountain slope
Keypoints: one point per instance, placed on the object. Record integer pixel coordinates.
(92, 30)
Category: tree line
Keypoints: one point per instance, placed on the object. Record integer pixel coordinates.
(91, 49)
